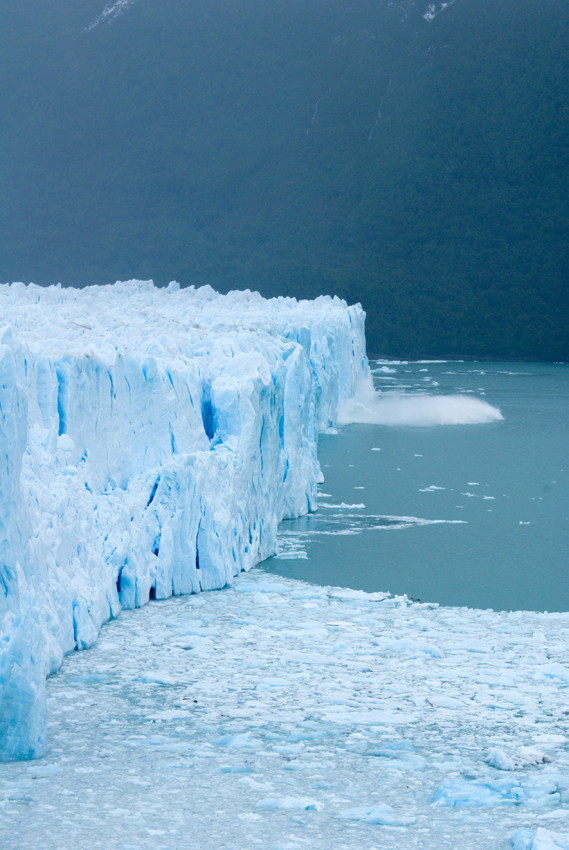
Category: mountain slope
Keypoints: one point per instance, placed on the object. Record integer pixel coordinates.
(410, 156)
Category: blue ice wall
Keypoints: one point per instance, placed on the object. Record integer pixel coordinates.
(150, 441)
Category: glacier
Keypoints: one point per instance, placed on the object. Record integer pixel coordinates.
(151, 440)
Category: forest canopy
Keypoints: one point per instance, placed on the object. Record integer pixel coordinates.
(413, 157)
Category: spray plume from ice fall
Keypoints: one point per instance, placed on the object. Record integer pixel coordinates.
(393, 408)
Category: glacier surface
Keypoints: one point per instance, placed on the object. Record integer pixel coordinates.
(151, 440)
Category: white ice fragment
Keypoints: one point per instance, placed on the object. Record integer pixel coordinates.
(541, 839)
(370, 716)
(500, 760)
(292, 555)
(445, 702)
(382, 815)
(343, 506)
(555, 671)
(263, 587)
(416, 649)
(556, 814)
(288, 803)
(242, 741)
(524, 757)
(535, 790)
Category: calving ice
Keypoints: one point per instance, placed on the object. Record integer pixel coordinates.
(151, 440)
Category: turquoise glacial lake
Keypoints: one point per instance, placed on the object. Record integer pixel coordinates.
(471, 515)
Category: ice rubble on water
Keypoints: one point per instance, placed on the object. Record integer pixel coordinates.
(150, 440)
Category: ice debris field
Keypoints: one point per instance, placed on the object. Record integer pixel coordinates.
(151, 441)
(276, 714)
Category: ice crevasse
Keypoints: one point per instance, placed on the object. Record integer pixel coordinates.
(150, 442)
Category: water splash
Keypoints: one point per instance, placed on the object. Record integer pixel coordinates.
(420, 410)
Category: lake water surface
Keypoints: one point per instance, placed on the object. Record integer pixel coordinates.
(474, 515)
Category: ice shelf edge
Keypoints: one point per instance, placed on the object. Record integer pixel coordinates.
(151, 440)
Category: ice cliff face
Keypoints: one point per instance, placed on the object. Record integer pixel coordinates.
(150, 442)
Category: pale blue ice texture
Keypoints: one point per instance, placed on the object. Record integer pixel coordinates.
(150, 443)
(540, 839)
(276, 714)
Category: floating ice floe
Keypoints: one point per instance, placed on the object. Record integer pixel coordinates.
(540, 839)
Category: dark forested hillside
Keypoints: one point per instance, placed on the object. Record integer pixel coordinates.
(411, 156)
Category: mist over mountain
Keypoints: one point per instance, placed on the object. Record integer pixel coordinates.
(413, 156)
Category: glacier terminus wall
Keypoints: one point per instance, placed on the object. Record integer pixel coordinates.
(151, 440)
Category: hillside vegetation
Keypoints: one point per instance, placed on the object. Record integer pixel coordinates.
(417, 164)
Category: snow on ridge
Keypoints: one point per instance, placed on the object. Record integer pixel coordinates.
(150, 442)
(111, 11)
(433, 10)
